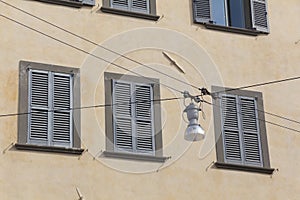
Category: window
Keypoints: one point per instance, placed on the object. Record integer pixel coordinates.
(48, 94)
(135, 8)
(72, 3)
(133, 126)
(240, 131)
(236, 14)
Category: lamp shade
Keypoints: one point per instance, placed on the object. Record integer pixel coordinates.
(194, 132)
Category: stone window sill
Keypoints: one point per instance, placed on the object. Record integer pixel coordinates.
(64, 3)
(244, 31)
(129, 13)
(131, 156)
(53, 149)
(262, 170)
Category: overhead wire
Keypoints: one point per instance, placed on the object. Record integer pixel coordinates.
(94, 43)
(257, 85)
(272, 123)
(121, 67)
(86, 52)
(88, 107)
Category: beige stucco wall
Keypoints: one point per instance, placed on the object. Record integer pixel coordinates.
(208, 57)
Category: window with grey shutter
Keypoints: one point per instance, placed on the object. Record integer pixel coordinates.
(140, 6)
(240, 130)
(241, 140)
(50, 106)
(133, 117)
(240, 16)
(48, 93)
(259, 15)
(201, 10)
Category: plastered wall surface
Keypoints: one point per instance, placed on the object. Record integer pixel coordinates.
(208, 57)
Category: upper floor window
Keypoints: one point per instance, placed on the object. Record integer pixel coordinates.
(133, 127)
(48, 94)
(238, 14)
(240, 131)
(134, 8)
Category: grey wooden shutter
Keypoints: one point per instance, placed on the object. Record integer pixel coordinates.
(230, 129)
(122, 114)
(251, 140)
(259, 15)
(39, 107)
(144, 113)
(62, 105)
(120, 4)
(140, 6)
(201, 10)
(89, 2)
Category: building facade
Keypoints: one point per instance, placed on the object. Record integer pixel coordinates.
(92, 103)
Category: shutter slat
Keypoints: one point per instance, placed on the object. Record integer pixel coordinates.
(61, 127)
(144, 133)
(39, 89)
(89, 2)
(123, 134)
(259, 15)
(230, 129)
(232, 146)
(250, 131)
(143, 102)
(38, 125)
(140, 6)
(62, 93)
(229, 113)
(144, 136)
(120, 4)
(122, 96)
(201, 10)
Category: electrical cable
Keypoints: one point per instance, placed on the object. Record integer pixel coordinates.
(94, 43)
(257, 85)
(88, 107)
(81, 50)
(272, 123)
(86, 52)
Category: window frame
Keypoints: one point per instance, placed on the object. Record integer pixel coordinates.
(106, 8)
(220, 152)
(23, 120)
(109, 78)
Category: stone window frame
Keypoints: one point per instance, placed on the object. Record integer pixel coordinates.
(109, 152)
(221, 163)
(23, 108)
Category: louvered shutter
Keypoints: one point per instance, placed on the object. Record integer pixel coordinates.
(144, 112)
(202, 11)
(259, 15)
(122, 114)
(251, 140)
(62, 105)
(89, 2)
(38, 107)
(141, 6)
(120, 4)
(230, 129)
